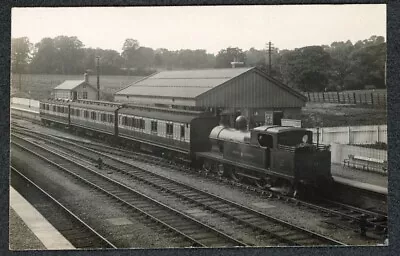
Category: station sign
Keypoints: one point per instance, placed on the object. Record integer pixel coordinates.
(291, 122)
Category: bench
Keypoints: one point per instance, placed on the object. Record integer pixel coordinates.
(365, 163)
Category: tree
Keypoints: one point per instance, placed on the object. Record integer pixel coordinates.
(226, 56)
(367, 66)
(307, 68)
(45, 58)
(20, 56)
(128, 52)
(340, 53)
(70, 54)
(143, 57)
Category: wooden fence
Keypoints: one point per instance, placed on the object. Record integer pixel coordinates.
(376, 98)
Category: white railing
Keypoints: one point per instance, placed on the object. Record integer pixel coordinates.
(369, 134)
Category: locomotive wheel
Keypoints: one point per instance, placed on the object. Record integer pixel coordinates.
(207, 167)
(262, 183)
(220, 170)
(234, 176)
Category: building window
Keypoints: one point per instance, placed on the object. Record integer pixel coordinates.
(84, 96)
(170, 129)
(86, 114)
(93, 114)
(154, 126)
(182, 131)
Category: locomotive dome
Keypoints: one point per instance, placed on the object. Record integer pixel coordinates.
(241, 122)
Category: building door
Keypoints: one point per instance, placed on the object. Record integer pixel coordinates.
(74, 95)
(277, 116)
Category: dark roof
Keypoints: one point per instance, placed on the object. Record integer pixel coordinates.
(195, 84)
(277, 129)
(182, 83)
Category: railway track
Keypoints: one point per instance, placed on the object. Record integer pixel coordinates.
(194, 233)
(74, 229)
(343, 215)
(268, 230)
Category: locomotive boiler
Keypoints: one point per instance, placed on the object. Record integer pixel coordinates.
(275, 157)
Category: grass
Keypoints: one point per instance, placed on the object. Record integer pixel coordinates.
(40, 86)
(332, 114)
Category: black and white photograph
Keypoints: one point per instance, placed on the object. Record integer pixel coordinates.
(198, 126)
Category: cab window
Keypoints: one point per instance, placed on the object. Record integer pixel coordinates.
(265, 140)
(294, 138)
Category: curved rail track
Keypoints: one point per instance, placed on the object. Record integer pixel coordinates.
(196, 233)
(74, 229)
(268, 230)
(345, 216)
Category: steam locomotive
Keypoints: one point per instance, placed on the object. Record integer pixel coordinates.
(275, 157)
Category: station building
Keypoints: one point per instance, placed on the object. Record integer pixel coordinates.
(75, 89)
(245, 91)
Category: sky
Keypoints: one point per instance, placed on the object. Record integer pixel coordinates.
(211, 28)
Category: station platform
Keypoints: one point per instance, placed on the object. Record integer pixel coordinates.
(29, 230)
(355, 176)
(362, 185)
(25, 107)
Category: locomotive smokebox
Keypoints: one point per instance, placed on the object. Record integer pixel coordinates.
(241, 123)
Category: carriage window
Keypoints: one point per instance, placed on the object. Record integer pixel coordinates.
(124, 120)
(294, 138)
(133, 122)
(93, 114)
(154, 126)
(103, 117)
(110, 118)
(86, 114)
(182, 131)
(47, 107)
(265, 140)
(170, 129)
(78, 112)
(72, 111)
(142, 124)
(54, 108)
(65, 109)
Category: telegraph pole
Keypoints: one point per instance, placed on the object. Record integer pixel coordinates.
(269, 59)
(98, 77)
